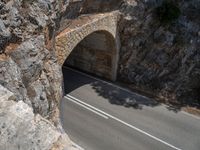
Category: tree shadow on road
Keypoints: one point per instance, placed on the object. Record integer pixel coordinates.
(113, 94)
(117, 96)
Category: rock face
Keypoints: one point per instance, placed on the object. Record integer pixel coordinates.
(160, 51)
(22, 129)
(92, 6)
(29, 70)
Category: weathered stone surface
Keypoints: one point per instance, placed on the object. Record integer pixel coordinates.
(10, 77)
(29, 69)
(5, 35)
(80, 28)
(68, 38)
(92, 57)
(91, 6)
(22, 129)
(29, 56)
(162, 59)
(30, 82)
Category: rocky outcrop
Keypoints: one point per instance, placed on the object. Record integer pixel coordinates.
(29, 70)
(22, 129)
(96, 6)
(160, 49)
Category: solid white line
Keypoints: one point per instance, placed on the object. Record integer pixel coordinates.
(191, 115)
(77, 146)
(109, 83)
(127, 124)
(87, 108)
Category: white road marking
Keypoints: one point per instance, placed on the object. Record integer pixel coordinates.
(122, 88)
(117, 119)
(70, 99)
(77, 146)
(191, 115)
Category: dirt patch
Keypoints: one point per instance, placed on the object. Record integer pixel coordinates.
(192, 110)
(11, 47)
(3, 57)
(31, 92)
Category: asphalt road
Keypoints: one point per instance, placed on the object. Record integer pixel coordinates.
(94, 117)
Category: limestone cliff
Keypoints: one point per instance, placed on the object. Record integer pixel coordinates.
(160, 49)
(22, 129)
(29, 70)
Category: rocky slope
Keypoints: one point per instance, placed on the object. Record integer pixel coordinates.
(28, 67)
(29, 70)
(160, 49)
(22, 129)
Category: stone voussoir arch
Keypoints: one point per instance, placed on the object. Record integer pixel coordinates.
(72, 35)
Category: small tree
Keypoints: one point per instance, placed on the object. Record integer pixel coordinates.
(168, 12)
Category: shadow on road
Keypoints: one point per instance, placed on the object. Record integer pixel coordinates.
(114, 95)
(121, 97)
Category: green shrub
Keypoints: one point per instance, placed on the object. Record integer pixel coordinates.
(168, 12)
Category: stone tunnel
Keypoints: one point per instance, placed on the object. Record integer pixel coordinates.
(91, 44)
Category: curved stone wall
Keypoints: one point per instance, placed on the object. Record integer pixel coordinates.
(80, 28)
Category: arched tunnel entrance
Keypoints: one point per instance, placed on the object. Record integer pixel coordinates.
(96, 54)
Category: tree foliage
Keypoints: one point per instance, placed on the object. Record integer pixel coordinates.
(168, 12)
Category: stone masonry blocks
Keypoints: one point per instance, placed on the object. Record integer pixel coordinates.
(70, 37)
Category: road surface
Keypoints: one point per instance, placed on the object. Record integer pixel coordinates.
(93, 115)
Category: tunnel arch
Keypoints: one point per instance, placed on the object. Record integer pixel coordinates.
(96, 54)
(102, 28)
